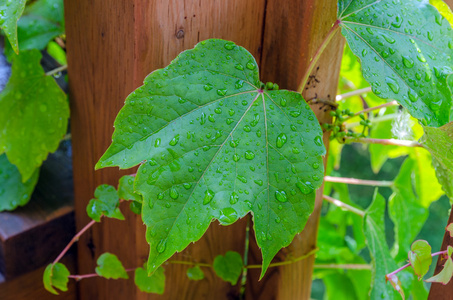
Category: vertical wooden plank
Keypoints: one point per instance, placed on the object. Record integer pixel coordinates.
(112, 45)
(294, 30)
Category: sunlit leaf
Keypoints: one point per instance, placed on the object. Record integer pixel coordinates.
(110, 267)
(34, 114)
(56, 276)
(420, 257)
(444, 10)
(13, 192)
(405, 48)
(105, 203)
(229, 266)
(10, 12)
(214, 145)
(154, 283)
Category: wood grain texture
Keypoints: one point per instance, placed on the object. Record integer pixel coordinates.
(112, 45)
(33, 235)
(294, 30)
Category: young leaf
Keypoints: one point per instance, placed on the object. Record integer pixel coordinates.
(10, 12)
(450, 229)
(126, 189)
(105, 203)
(33, 112)
(229, 267)
(217, 146)
(41, 22)
(13, 192)
(136, 207)
(195, 273)
(110, 267)
(439, 142)
(420, 257)
(405, 48)
(445, 275)
(154, 283)
(383, 263)
(56, 276)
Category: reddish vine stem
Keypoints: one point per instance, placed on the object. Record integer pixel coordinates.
(353, 93)
(56, 70)
(74, 239)
(391, 103)
(344, 205)
(318, 53)
(358, 181)
(80, 277)
(389, 275)
(394, 142)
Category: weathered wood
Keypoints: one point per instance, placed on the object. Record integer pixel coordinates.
(111, 46)
(32, 236)
(29, 286)
(294, 30)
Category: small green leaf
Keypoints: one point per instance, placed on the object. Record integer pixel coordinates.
(195, 273)
(126, 189)
(105, 203)
(450, 229)
(136, 207)
(13, 192)
(217, 146)
(34, 114)
(56, 276)
(439, 142)
(10, 12)
(445, 275)
(229, 267)
(110, 267)
(55, 50)
(154, 283)
(405, 48)
(420, 257)
(383, 263)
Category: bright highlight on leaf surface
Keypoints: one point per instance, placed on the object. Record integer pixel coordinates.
(405, 48)
(13, 192)
(420, 257)
(34, 114)
(110, 267)
(445, 275)
(10, 12)
(56, 276)
(229, 267)
(214, 145)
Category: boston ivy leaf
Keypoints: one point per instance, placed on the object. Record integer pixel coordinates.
(41, 22)
(405, 48)
(445, 275)
(420, 257)
(405, 210)
(34, 114)
(13, 192)
(154, 283)
(229, 267)
(217, 146)
(105, 203)
(126, 189)
(439, 142)
(382, 262)
(56, 276)
(195, 273)
(110, 267)
(450, 229)
(10, 12)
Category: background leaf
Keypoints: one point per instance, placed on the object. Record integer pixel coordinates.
(34, 114)
(13, 192)
(420, 257)
(110, 267)
(195, 273)
(444, 276)
(126, 189)
(105, 203)
(10, 12)
(229, 267)
(56, 276)
(216, 146)
(405, 48)
(154, 283)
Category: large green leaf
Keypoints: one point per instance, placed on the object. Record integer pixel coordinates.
(405, 48)
(439, 141)
(33, 114)
(10, 12)
(383, 263)
(13, 192)
(406, 212)
(213, 145)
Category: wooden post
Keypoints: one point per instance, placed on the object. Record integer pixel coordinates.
(294, 30)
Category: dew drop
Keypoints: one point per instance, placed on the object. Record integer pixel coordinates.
(251, 65)
(234, 198)
(393, 85)
(187, 185)
(281, 140)
(161, 246)
(229, 46)
(208, 195)
(315, 166)
(318, 140)
(174, 140)
(239, 67)
(249, 155)
(247, 128)
(221, 92)
(208, 87)
(281, 196)
(408, 62)
(413, 97)
(228, 216)
(242, 179)
(231, 112)
(258, 182)
(421, 58)
(435, 105)
(174, 193)
(283, 102)
(305, 187)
